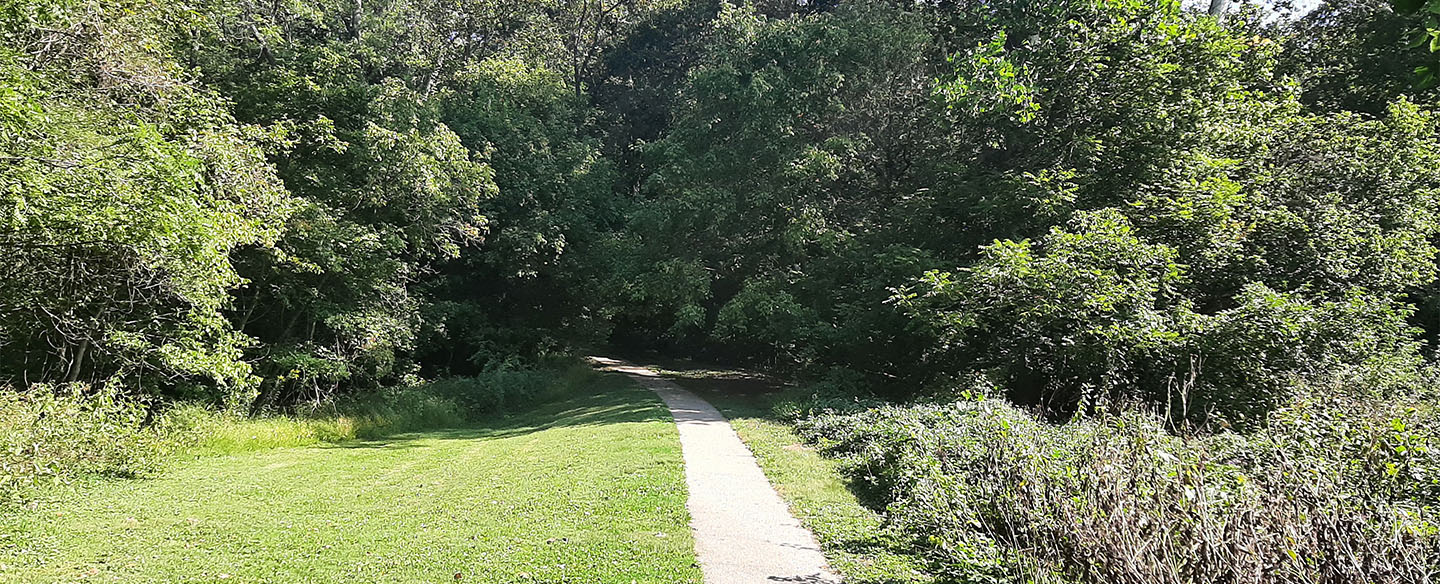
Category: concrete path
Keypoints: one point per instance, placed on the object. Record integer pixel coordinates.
(744, 533)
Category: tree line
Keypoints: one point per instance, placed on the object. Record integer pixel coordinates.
(1078, 203)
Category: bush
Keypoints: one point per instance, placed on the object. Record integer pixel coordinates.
(1328, 490)
(501, 389)
(52, 434)
(838, 390)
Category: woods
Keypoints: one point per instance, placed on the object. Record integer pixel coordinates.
(1206, 229)
(1078, 201)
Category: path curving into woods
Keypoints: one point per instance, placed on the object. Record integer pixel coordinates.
(744, 533)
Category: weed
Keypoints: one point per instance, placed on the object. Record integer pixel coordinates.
(1329, 490)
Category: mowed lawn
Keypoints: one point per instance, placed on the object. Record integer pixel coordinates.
(586, 490)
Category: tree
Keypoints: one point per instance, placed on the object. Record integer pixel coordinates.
(123, 191)
(1351, 56)
(389, 189)
(1424, 33)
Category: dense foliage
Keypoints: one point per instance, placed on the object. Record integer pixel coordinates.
(1088, 207)
(1082, 202)
(125, 190)
(990, 494)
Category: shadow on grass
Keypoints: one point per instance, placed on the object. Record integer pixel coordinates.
(735, 393)
(610, 400)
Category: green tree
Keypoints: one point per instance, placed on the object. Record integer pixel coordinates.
(1352, 56)
(389, 189)
(123, 191)
(792, 139)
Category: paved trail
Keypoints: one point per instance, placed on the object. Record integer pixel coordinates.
(744, 533)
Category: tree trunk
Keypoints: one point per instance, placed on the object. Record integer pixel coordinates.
(263, 398)
(1217, 7)
(355, 18)
(79, 361)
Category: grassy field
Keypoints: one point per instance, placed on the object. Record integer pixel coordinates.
(589, 489)
(853, 537)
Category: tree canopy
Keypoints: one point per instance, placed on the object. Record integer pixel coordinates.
(1075, 202)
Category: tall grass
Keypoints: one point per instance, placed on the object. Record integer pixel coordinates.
(51, 435)
(1330, 490)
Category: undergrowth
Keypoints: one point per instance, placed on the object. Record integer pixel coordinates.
(1330, 489)
(52, 435)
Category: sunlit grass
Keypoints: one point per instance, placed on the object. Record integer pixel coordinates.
(853, 537)
(216, 433)
(589, 489)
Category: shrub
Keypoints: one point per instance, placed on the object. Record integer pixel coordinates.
(1081, 317)
(499, 390)
(1328, 490)
(52, 434)
(838, 390)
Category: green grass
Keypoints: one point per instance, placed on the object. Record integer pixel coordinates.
(589, 489)
(855, 541)
(222, 433)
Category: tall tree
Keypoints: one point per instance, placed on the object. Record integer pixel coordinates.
(123, 190)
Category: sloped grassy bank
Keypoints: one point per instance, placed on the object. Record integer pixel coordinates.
(1329, 489)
